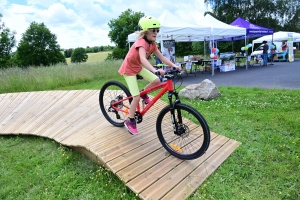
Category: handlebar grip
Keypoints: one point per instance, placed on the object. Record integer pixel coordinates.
(157, 73)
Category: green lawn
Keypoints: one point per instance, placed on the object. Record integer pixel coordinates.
(94, 57)
(265, 166)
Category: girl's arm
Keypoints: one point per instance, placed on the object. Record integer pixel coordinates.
(165, 60)
(146, 63)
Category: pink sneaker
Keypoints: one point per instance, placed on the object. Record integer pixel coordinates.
(131, 126)
(146, 98)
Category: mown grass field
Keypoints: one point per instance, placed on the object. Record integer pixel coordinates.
(265, 166)
(94, 57)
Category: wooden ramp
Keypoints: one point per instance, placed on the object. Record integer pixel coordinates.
(73, 118)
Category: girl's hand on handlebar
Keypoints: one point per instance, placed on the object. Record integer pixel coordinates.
(178, 67)
(161, 72)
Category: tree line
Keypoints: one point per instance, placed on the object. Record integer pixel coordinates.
(38, 47)
(95, 49)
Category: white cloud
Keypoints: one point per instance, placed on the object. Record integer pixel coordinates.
(42, 3)
(56, 14)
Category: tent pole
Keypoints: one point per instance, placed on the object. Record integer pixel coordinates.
(246, 41)
(272, 56)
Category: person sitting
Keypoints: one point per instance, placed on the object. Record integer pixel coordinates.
(188, 65)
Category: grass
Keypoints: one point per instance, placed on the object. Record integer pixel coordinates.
(265, 121)
(94, 57)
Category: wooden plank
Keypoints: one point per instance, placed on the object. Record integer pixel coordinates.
(136, 154)
(145, 163)
(52, 115)
(151, 176)
(41, 106)
(6, 101)
(70, 115)
(22, 112)
(10, 111)
(2, 96)
(190, 184)
(117, 148)
(63, 116)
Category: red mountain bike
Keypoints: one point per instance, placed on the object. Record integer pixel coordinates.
(181, 129)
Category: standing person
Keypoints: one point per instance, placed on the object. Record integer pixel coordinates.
(133, 64)
(284, 46)
(168, 53)
(265, 53)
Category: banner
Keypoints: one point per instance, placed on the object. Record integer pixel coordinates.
(290, 47)
(169, 50)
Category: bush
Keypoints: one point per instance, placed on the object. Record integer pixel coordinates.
(117, 53)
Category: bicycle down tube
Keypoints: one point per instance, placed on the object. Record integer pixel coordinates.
(165, 87)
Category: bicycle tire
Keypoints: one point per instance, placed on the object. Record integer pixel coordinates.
(113, 91)
(194, 138)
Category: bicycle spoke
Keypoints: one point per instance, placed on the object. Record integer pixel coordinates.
(190, 139)
(110, 93)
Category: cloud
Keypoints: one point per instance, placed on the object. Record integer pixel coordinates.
(46, 3)
(56, 14)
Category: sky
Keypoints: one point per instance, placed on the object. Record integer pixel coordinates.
(82, 23)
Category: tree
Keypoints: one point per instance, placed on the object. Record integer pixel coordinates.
(68, 53)
(277, 14)
(121, 27)
(79, 55)
(7, 42)
(38, 46)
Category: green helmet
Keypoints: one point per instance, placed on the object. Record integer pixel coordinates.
(148, 22)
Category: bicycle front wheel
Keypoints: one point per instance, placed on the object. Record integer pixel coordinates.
(112, 92)
(190, 139)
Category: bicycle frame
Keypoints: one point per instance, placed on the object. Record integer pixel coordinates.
(166, 86)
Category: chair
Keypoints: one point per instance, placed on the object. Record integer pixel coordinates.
(189, 67)
(198, 64)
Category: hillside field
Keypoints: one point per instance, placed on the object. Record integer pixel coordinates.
(94, 57)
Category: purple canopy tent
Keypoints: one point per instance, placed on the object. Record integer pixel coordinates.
(252, 30)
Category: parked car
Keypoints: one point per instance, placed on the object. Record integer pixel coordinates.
(259, 51)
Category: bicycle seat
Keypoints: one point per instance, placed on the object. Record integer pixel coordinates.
(139, 77)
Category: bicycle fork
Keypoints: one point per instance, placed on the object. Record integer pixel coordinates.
(173, 117)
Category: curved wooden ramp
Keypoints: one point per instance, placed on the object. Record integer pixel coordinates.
(74, 119)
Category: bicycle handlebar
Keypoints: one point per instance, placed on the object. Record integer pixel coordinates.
(172, 72)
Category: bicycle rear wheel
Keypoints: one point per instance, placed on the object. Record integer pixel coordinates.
(111, 92)
(192, 137)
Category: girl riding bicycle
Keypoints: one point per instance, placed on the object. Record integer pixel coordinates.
(133, 64)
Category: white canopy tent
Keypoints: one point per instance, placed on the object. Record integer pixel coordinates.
(277, 37)
(174, 28)
(220, 30)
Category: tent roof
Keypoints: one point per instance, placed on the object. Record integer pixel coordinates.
(278, 36)
(174, 28)
(252, 30)
(221, 30)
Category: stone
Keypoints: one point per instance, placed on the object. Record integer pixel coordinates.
(206, 90)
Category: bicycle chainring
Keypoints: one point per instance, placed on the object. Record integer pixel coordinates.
(138, 117)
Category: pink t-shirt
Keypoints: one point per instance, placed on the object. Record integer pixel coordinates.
(132, 64)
